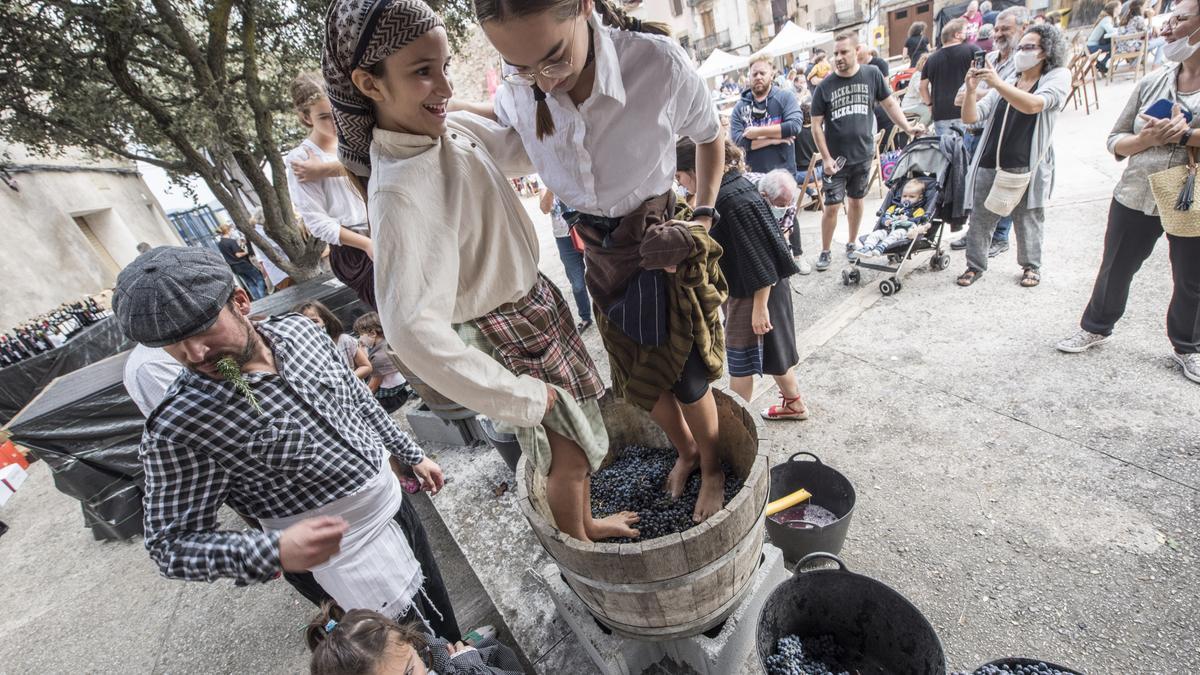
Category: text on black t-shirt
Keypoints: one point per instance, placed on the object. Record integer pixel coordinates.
(847, 105)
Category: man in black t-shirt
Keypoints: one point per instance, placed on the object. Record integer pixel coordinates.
(944, 72)
(239, 261)
(843, 124)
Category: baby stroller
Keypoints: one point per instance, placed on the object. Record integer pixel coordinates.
(924, 160)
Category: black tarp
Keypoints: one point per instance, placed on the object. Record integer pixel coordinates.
(86, 428)
(20, 383)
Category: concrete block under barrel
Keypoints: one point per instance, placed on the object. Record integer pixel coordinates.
(678, 585)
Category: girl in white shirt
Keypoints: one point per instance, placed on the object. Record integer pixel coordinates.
(459, 293)
(599, 99)
(332, 210)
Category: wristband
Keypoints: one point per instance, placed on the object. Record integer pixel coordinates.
(706, 212)
(1183, 140)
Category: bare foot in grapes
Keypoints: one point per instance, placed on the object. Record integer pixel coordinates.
(712, 496)
(678, 478)
(617, 525)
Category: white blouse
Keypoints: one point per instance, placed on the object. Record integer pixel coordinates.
(617, 149)
(452, 243)
(325, 205)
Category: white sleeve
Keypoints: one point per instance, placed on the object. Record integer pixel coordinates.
(416, 282)
(309, 201)
(693, 113)
(503, 143)
(149, 380)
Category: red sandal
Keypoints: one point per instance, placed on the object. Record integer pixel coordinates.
(785, 411)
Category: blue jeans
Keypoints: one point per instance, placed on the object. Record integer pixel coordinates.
(940, 127)
(253, 280)
(1002, 230)
(1102, 62)
(572, 261)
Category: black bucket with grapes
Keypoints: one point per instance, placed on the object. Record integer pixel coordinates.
(821, 523)
(1021, 666)
(834, 621)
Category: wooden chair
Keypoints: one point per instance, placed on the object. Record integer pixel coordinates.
(1083, 72)
(876, 176)
(1137, 55)
(812, 182)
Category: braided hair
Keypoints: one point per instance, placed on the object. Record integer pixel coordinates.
(611, 14)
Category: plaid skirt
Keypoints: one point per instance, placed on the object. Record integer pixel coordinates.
(536, 336)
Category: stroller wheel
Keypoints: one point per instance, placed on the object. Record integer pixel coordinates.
(887, 287)
(845, 277)
(855, 276)
(940, 262)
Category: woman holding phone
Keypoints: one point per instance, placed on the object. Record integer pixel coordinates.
(1155, 134)
(1019, 118)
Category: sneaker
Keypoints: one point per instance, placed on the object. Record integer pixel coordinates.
(959, 244)
(1190, 364)
(850, 249)
(583, 325)
(997, 248)
(804, 266)
(824, 260)
(852, 255)
(1082, 341)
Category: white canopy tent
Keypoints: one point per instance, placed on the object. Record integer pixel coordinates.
(721, 62)
(792, 38)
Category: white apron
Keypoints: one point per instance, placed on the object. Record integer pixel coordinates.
(375, 568)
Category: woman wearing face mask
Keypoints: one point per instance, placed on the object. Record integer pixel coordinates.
(760, 330)
(1152, 145)
(599, 99)
(1020, 116)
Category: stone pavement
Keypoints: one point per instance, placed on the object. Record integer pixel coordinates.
(1028, 502)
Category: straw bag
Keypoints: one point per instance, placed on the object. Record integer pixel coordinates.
(1009, 186)
(1174, 193)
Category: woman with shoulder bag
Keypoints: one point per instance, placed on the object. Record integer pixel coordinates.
(1143, 202)
(1012, 173)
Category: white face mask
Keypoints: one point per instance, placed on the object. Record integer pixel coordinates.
(1179, 50)
(778, 211)
(1023, 61)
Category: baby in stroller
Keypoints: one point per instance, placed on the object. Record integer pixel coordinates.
(899, 222)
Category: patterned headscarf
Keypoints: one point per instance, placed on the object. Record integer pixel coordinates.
(360, 34)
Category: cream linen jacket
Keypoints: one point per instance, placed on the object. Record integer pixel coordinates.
(452, 243)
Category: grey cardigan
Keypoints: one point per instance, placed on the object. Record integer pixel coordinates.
(1054, 87)
(1133, 190)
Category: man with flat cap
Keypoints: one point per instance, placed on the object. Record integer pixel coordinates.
(286, 435)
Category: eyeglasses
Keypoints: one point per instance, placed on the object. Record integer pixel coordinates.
(551, 71)
(1176, 19)
(1028, 48)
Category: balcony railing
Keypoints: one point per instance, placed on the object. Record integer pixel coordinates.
(706, 44)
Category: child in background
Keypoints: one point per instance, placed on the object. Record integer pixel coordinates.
(356, 356)
(386, 382)
(898, 221)
(362, 641)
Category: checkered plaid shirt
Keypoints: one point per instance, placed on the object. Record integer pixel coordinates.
(320, 437)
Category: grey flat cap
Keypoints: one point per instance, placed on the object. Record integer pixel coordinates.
(170, 293)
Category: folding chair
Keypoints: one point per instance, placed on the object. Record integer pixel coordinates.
(811, 181)
(1138, 55)
(1083, 71)
(876, 177)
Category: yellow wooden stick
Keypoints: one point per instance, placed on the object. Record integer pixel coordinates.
(787, 502)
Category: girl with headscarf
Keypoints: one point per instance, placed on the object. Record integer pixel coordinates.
(456, 272)
(599, 99)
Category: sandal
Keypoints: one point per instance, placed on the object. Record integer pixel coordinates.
(785, 411)
(1030, 277)
(969, 277)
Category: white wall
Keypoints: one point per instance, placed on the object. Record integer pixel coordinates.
(46, 258)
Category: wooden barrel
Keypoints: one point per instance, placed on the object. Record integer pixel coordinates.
(681, 584)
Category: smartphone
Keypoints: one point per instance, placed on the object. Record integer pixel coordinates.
(1162, 110)
(979, 60)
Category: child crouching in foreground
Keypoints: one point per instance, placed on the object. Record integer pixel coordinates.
(363, 642)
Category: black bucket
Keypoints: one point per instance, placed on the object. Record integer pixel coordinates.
(505, 444)
(1022, 661)
(829, 489)
(863, 615)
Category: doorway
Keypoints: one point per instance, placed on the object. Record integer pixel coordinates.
(900, 20)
